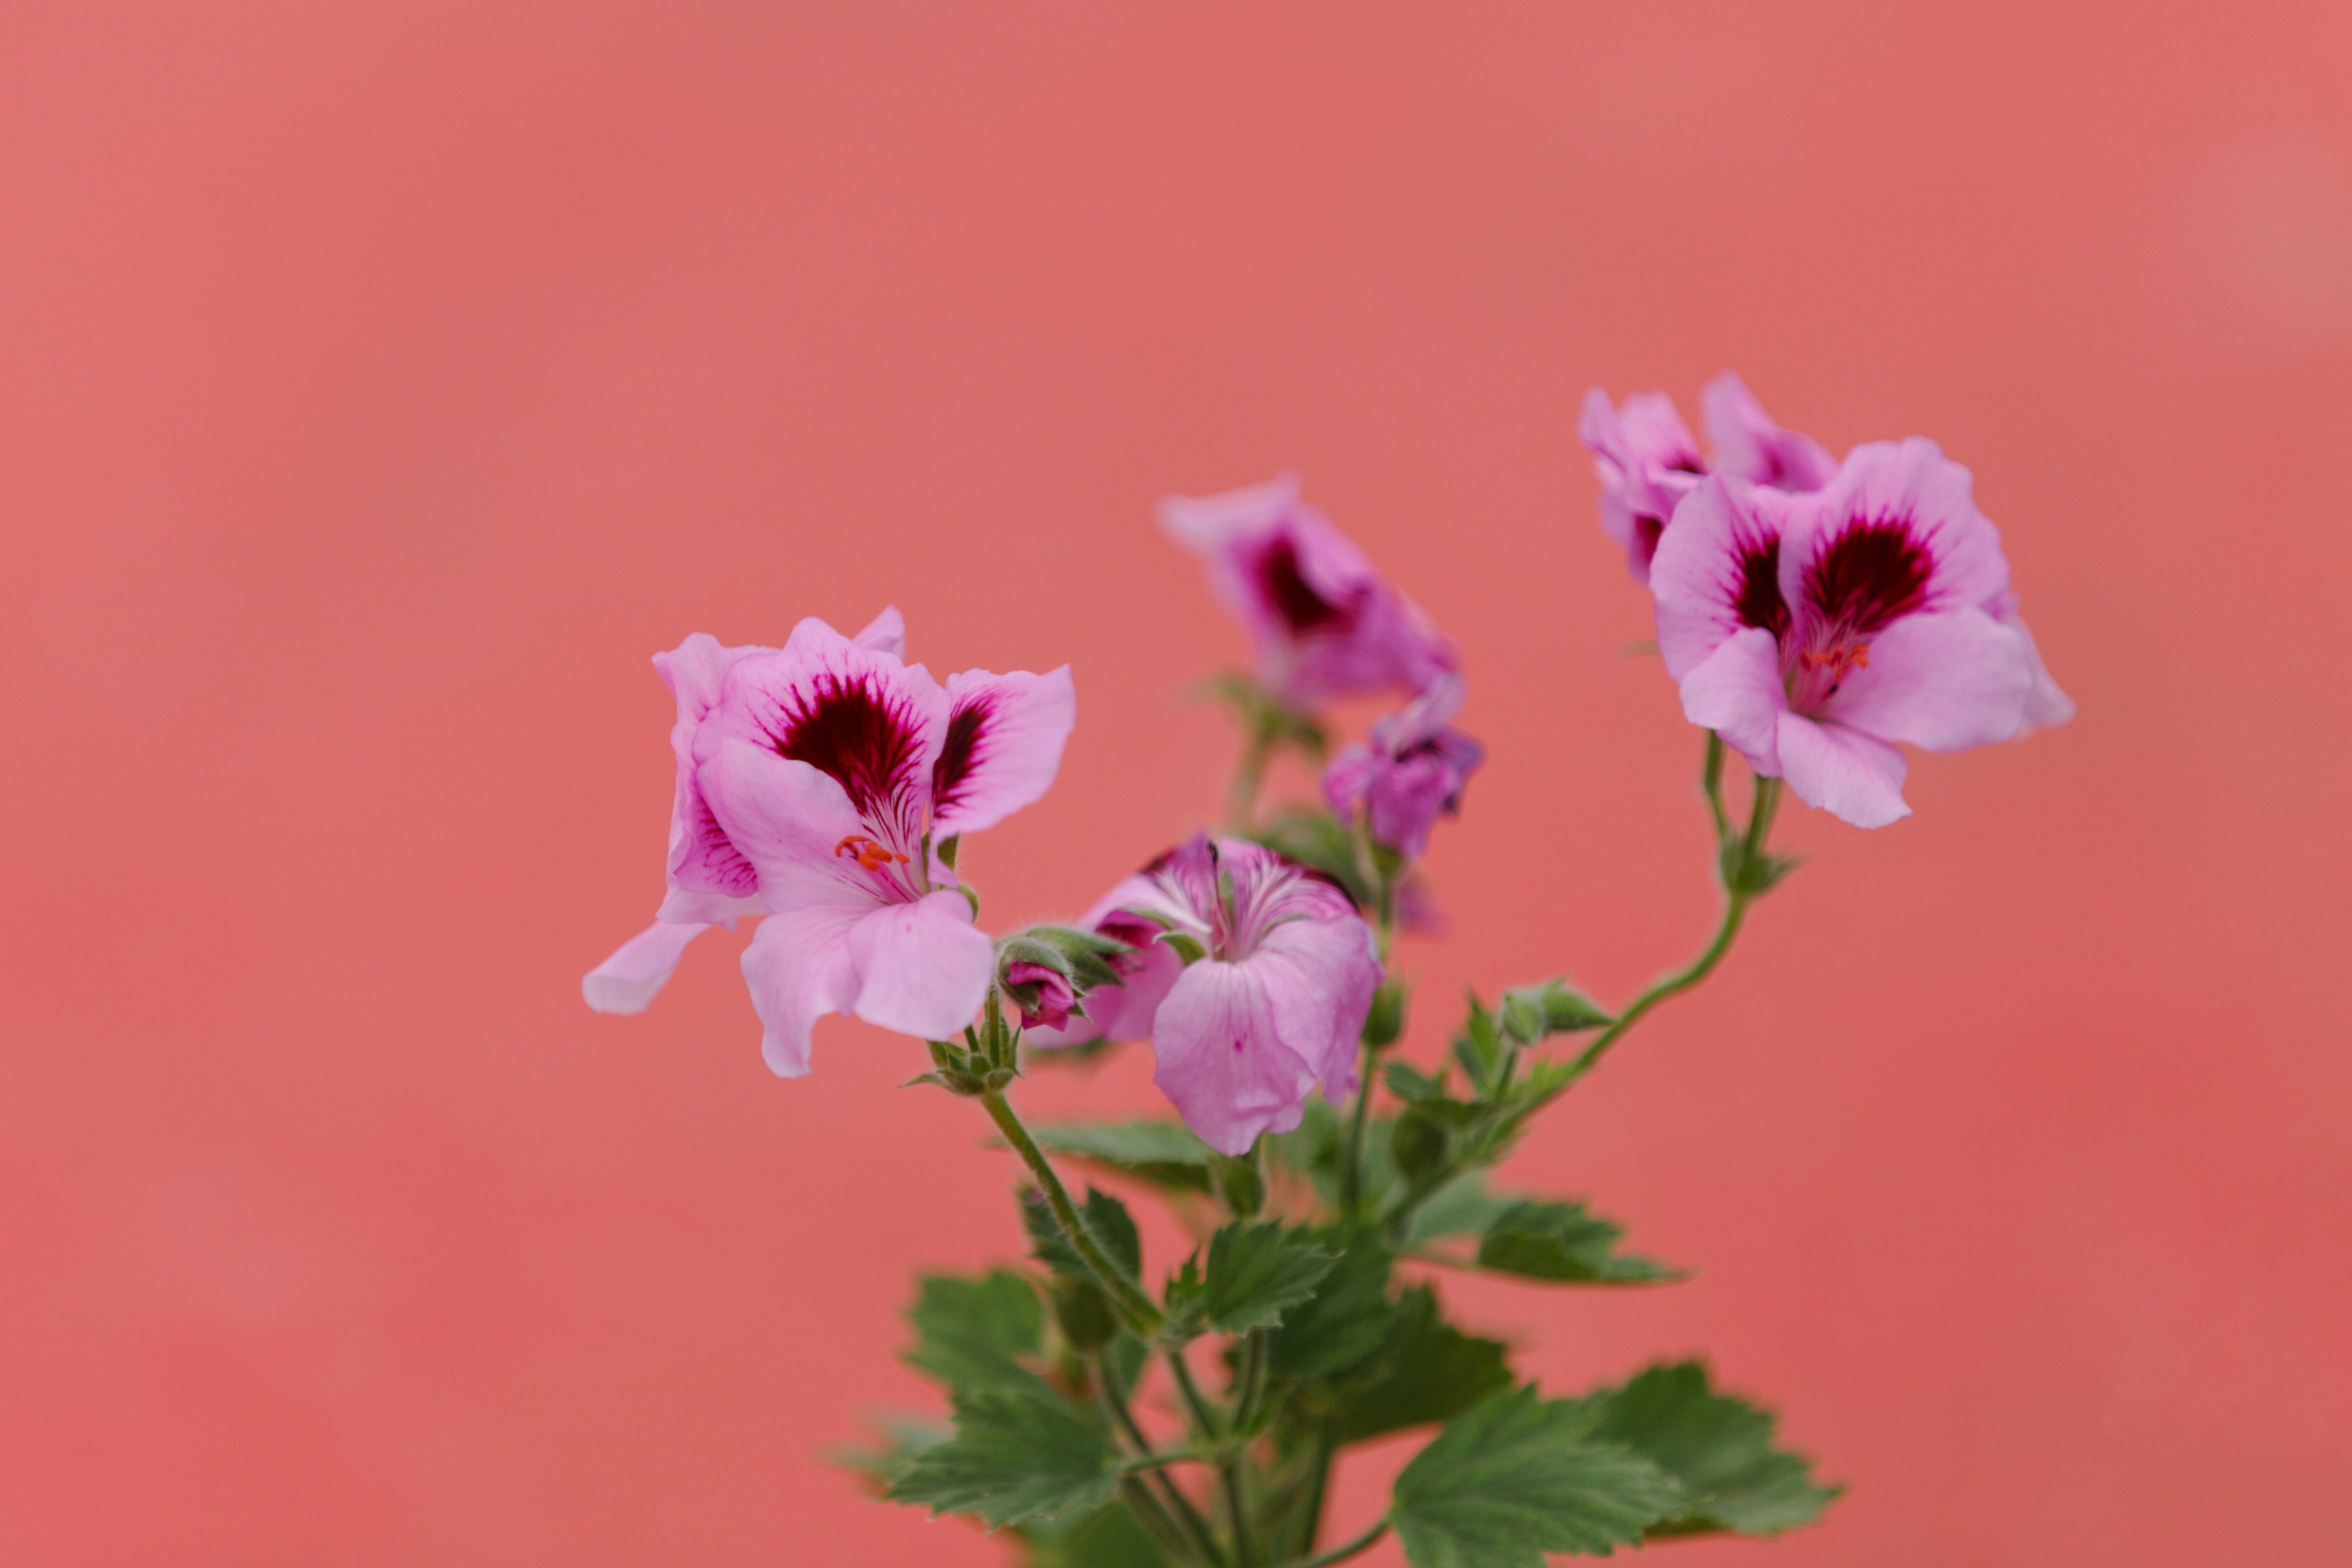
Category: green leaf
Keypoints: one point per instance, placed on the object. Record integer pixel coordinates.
(1109, 1538)
(1719, 1448)
(1563, 1242)
(897, 1440)
(1259, 1272)
(1162, 1153)
(1463, 1207)
(1014, 1457)
(1479, 1045)
(1519, 1476)
(1343, 1322)
(1430, 1371)
(1106, 1220)
(968, 1331)
(1532, 1012)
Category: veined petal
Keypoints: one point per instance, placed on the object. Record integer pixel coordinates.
(1895, 533)
(1939, 681)
(1318, 978)
(1221, 1059)
(1717, 571)
(798, 968)
(624, 982)
(701, 861)
(863, 718)
(1737, 693)
(799, 830)
(2045, 705)
(1850, 775)
(885, 633)
(921, 967)
(1748, 445)
(1002, 747)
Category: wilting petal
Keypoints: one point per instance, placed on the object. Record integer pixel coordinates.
(798, 968)
(1717, 571)
(1846, 773)
(1003, 746)
(921, 967)
(885, 633)
(1942, 683)
(1748, 445)
(624, 982)
(1221, 1059)
(1737, 693)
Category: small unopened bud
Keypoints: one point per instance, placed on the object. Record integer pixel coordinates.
(1042, 994)
(1240, 1185)
(1082, 1315)
(1386, 1020)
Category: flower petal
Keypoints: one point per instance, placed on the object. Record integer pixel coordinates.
(1939, 681)
(798, 968)
(624, 982)
(1319, 976)
(2045, 705)
(1895, 533)
(1748, 445)
(701, 861)
(1222, 1061)
(1002, 747)
(1737, 693)
(885, 633)
(1717, 571)
(791, 824)
(1848, 774)
(921, 967)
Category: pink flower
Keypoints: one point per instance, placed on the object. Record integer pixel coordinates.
(1414, 770)
(709, 881)
(1648, 460)
(1813, 632)
(1274, 1006)
(1322, 620)
(1049, 986)
(832, 770)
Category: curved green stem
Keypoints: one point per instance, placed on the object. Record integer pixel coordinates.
(1363, 1543)
(1134, 1305)
(1202, 1540)
(1318, 1478)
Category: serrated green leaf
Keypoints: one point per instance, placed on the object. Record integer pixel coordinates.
(1164, 1153)
(1718, 1447)
(897, 1440)
(1106, 1220)
(969, 1330)
(1014, 1457)
(1430, 1372)
(1563, 1242)
(1343, 1322)
(1259, 1272)
(1463, 1207)
(1519, 1476)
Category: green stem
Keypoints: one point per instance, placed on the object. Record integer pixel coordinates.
(1363, 1543)
(1155, 1519)
(1318, 1478)
(1141, 1462)
(1142, 1317)
(1229, 1474)
(1204, 1540)
(1241, 795)
(1711, 780)
(1359, 1121)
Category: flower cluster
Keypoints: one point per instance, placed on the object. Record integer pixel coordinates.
(1818, 612)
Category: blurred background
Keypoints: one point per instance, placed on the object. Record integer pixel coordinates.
(381, 385)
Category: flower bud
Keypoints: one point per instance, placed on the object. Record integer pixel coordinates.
(1042, 994)
(1084, 1315)
(1386, 1020)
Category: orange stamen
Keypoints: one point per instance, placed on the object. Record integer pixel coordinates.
(870, 855)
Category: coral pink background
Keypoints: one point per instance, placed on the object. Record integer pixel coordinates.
(379, 386)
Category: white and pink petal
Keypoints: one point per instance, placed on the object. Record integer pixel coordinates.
(1001, 747)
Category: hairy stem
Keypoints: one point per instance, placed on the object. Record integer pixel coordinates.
(1141, 1316)
(1363, 1543)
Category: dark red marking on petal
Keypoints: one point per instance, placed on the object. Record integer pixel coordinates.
(1868, 575)
(864, 738)
(967, 728)
(1287, 589)
(712, 864)
(1759, 602)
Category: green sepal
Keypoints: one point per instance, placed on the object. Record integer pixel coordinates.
(1531, 1014)
(1564, 1242)
(970, 1332)
(1162, 1153)
(1257, 1273)
(1240, 1183)
(1478, 1046)
(1014, 1457)
(1718, 1447)
(1520, 1476)
(1754, 875)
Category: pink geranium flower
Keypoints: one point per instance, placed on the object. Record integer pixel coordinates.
(1647, 460)
(832, 771)
(709, 881)
(1815, 632)
(1272, 1007)
(1322, 619)
(1412, 771)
